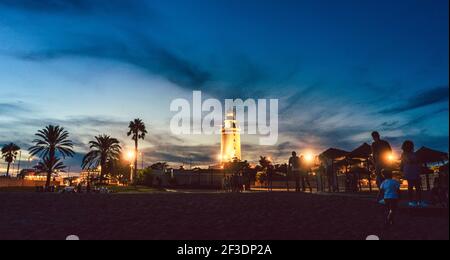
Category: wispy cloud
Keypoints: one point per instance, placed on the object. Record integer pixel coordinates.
(140, 52)
(10, 109)
(429, 97)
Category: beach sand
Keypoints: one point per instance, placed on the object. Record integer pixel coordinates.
(250, 216)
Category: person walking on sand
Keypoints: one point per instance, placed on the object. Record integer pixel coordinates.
(389, 196)
(381, 149)
(411, 168)
(294, 168)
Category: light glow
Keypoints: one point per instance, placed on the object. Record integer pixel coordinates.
(130, 155)
(391, 157)
(309, 157)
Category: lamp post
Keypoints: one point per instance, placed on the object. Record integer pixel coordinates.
(130, 157)
(131, 173)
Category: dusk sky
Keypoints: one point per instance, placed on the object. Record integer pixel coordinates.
(340, 69)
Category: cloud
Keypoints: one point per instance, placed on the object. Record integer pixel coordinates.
(79, 7)
(438, 142)
(12, 108)
(429, 97)
(417, 121)
(138, 51)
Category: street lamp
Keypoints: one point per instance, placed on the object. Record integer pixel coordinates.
(130, 157)
(309, 157)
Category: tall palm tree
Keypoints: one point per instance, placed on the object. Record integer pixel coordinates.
(9, 153)
(104, 150)
(137, 131)
(52, 141)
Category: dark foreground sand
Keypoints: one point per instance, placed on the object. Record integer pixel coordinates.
(259, 216)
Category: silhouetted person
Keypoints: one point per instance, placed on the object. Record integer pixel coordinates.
(381, 150)
(294, 166)
(411, 168)
(304, 174)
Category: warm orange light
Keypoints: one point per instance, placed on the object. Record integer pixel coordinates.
(391, 157)
(130, 155)
(309, 157)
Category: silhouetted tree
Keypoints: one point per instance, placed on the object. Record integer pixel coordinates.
(137, 130)
(281, 168)
(51, 142)
(120, 169)
(159, 166)
(264, 162)
(104, 149)
(9, 153)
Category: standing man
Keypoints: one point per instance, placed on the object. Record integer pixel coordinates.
(381, 150)
(294, 168)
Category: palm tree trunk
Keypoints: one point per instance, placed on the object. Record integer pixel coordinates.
(102, 173)
(51, 156)
(7, 169)
(49, 176)
(135, 157)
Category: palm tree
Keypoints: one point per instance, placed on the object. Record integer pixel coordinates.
(264, 162)
(9, 153)
(104, 150)
(137, 131)
(50, 165)
(51, 142)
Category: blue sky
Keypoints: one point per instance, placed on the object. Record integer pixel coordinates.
(340, 69)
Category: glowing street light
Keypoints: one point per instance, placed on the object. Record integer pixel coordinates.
(130, 156)
(390, 157)
(309, 157)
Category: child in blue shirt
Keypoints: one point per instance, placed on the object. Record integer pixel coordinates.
(390, 192)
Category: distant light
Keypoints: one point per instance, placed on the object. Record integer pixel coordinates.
(130, 155)
(391, 157)
(309, 157)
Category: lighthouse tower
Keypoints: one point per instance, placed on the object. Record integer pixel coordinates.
(231, 139)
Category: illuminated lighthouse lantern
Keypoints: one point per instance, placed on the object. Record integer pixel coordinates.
(231, 139)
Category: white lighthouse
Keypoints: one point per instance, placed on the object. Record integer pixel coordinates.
(231, 139)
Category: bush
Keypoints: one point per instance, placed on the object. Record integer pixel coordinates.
(145, 177)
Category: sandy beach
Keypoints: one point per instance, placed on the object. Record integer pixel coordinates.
(203, 216)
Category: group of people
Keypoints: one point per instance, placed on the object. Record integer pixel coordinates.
(389, 195)
(233, 183)
(410, 166)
